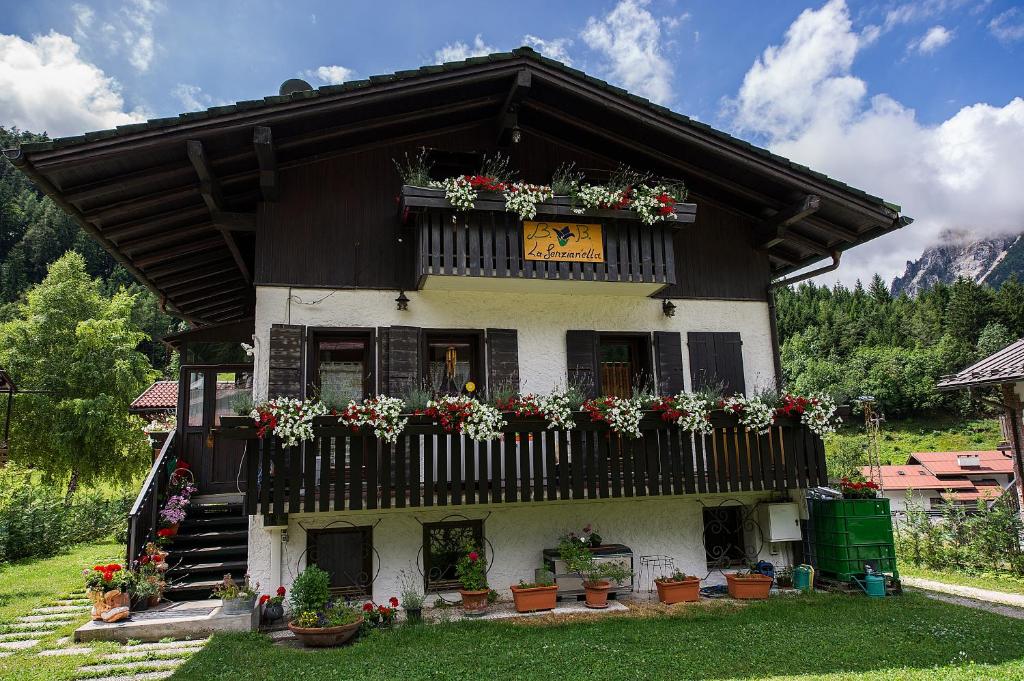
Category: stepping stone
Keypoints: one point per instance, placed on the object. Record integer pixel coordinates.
(73, 601)
(63, 640)
(32, 626)
(141, 654)
(164, 645)
(5, 653)
(66, 651)
(55, 609)
(145, 676)
(22, 635)
(19, 645)
(52, 617)
(128, 666)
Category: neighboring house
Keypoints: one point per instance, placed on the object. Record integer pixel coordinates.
(937, 478)
(282, 223)
(999, 380)
(159, 398)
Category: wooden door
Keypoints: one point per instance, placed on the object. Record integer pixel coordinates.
(206, 393)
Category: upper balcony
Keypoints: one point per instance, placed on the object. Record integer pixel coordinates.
(602, 251)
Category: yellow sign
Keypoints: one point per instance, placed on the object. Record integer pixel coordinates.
(563, 241)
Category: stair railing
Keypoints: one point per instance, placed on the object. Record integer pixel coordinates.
(144, 517)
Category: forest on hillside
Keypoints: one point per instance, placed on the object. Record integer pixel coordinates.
(34, 233)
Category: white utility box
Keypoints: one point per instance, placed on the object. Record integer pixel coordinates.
(780, 522)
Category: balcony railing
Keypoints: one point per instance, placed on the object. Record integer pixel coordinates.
(344, 471)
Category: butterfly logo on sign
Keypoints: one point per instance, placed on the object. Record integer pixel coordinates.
(564, 235)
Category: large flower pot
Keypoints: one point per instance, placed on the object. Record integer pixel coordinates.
(235, 421)
(474, 602)
(237, 606)
(685, 591)
(273, 612)
(325, 637)
(597, 594)
(535, 598)
(414, 615)
(99, 606)
(749, 587)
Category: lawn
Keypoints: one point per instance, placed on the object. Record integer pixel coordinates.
(811, 637)
(933, 434)
(995, 582)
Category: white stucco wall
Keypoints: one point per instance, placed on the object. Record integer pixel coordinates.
(541, 319)
(518, 533)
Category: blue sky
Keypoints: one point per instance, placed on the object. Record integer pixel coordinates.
(918, 102)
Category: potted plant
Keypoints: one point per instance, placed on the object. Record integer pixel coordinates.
(678, 588)
(236, 599)
(540, 594)
(784, 578)
(318, 622)
(380, 616)
(412, 599)
(576, 553)
(472, 572)
(144, 590)
(749, 585)
(103, 585)
(273, 606)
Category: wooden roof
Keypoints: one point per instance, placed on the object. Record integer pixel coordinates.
(1005, 366)
(174, 199)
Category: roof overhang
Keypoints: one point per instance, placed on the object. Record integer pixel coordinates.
(1000, 368)
(174, 200)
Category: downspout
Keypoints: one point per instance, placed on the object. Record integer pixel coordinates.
(1011, 407)
(773, 320)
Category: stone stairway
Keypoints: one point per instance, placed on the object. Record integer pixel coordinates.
(212, 542)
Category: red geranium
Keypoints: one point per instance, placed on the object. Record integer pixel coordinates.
(280, 591)
(474, 556)
(394, 602)
(165, 532)
(367, 607)
(263, 599)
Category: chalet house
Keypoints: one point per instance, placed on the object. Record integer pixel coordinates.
(284, 224)
(934, 479)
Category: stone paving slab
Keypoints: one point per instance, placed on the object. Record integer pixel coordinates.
(163, 645)
(127, 666)
(14, 627)
(20, 635)
(70, 609)
(142, 654)
(78, 650)
(19, 645)
(145, 676)
(51, 617)
(73, 601)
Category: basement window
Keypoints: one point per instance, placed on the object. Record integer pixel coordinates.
(443, 545)
(346, 554)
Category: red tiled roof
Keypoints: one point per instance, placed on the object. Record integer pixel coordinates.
(989, 494)
(945, 463)
(160, 395)
(915, 477)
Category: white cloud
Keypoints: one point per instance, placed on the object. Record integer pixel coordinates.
(459, 51)
(130, 28)
(192, 97)
(45, 85)
(959, 174)
(332, 75)
(556, 48)
(84, 16)
(1008, 26)
(672, 23)
(934, 39)
(629, 37)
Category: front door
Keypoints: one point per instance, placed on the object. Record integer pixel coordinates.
(205, 394)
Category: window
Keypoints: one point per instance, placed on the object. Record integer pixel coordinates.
(624, 363)
(342, 365)
(453, 363)
(443, 545)
(196, 397)
(346, 554)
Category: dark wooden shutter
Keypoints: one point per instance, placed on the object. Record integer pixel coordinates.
(668, 350)
(716, 359)
(502, 359)
(581, 360)
(400, 359)
(286, 360)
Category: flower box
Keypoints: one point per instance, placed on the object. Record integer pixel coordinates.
(749, 587)
(237, 422)
(325, 637)
(672, 591)
(237, 606)
(532, 599)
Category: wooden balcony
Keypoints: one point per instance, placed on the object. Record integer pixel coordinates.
(484, 249)
(344, 471)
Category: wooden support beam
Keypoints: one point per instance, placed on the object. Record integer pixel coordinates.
(154, 240)
(796, 239)
(226, 267)
(508, 114)
(213, 281)
(209, 188)
(775, 227)
(263, 140)
(186, 264)
(172, 252)
(171, 219)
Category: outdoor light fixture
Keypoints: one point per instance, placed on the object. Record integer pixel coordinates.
(668, 308)
(403, 301)
(517, 135)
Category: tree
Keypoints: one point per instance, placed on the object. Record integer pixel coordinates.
(993, 338)
(75, 353)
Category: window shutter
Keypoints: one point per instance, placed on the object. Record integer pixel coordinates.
(581, 360)
(400, 359)
(286, 361)
(716, 359)
(668, 350)
(502, 359)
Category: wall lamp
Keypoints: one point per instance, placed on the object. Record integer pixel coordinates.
(403, 301)
(668, 308)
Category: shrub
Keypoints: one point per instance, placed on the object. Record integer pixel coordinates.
(311, 590)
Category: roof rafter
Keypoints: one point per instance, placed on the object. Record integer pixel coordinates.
(263, 140)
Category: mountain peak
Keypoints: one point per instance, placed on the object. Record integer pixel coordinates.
(960, 253)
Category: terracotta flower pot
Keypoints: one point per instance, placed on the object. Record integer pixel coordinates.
(535, 598)
(686, 591)
(474, 602)
(99, 606)
(597, 594)
(749, 587)
(325, 637)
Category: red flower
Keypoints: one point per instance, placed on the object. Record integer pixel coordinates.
(263, 599)
(474, 556)
(113, 567)
(381, 609)
(367, 607)
(165, 532)
(394, 602)
(280, 591)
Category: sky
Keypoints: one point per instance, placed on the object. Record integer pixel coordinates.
(920, 102)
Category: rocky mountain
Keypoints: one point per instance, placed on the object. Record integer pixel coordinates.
(987, 260)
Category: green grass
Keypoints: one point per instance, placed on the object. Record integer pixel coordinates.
(933, 434)
(809, 637)
(995, 582)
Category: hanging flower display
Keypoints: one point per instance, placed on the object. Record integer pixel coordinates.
(556, 408)
(816, 411)
(522, 198)
(459, 414)
(754, 413)
(288, 418)
(652, 203)
(382, 414)
(621, 414)
(689, 411)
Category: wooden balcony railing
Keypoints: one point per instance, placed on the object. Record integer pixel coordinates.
(143, 519)
(344, 471)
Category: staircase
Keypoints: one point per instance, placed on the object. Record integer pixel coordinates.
(212, 541)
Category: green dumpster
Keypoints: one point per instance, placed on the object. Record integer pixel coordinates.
(852, 533)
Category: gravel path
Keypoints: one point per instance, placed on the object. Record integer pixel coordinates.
(1010, 605)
